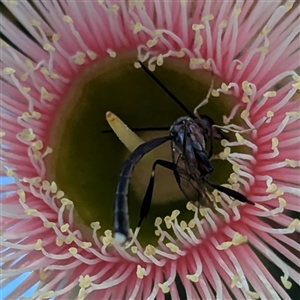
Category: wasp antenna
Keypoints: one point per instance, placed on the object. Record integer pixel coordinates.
(167, 91)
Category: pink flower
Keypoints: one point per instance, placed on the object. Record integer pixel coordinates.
(49, 49)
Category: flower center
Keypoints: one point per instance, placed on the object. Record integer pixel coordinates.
(86, 162)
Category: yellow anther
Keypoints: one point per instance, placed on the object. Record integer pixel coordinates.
(157, 32)
(236, 168)
(47, 295)
(85, 281)
(265, 30)
(270, 94)
(263, 50)
(292, 163)
(180, 53)
(245, 99)
(65, 201)
(69, 239)
(151, 43)
(288, 5)
(271, 188)
(245, 114)
(150, 250)
(42, 274)
(25, 90)
(160, 60)
(234, 178)
(295, 223)
(278, 193)
(68, 19)
(206, 65)
(239, 138)
(235, 280)
(158, 222)
(114, 7)
(86, 245)
(73, 250)
(60, 194)
(270, 114)
(175, 214)
(197, 26)
(157, 232)
(223, 24)
(275, 143)
(224, 87)
(22, 195)
(208, 17)
(192, 224)
(234, 203)
(55, 37)
(287, 284)
(81, 294)
(134, 249)
(197, 61)
(193, 278)
(172, 247)
(48, 224)
(165, 289)
(91, 54)
(215, 93)
(239, 239)
(183, 225)
(38, 145)
(8, 71)
(95, 225)
(253, 295)
(44, 71)
(28, 63)
(140, 272)
(65, 227)
(112, 53)
(49, 48)
(168, 222)
(237, 11)
(293, 114)
(34, 22)
(58, 242)
(54, 76)
(246, 87)
(38, 245)
(282, 202)
(30, 211)
(137, 27)
(45, 95)
(224, 246)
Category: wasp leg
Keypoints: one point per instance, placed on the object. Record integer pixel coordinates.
(148, 195)
(230, 192)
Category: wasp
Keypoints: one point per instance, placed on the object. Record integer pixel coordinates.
(189, 137)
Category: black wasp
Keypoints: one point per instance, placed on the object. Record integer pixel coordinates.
(190, 165)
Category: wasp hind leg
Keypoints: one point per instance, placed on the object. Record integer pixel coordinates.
(148, 195)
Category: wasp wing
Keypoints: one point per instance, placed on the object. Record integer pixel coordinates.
(190, 181)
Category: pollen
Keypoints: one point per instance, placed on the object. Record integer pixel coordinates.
(287, 284)
(48, 48)
(81, 294)
(197, 26)
(151, 43)
(53, 187)
(25, 90)
(265, 30)
(245, 114)
(165, 289)
(47, 295)
(175, 214)
(208, 17)
(183, 225)
(38, 245)
(245, 99)
(55, 37)
(137, 27)
(193, 278)
(292, 163)
(173, 247)
(168, 222)
(271, 188)
(224, 246)
(234, 203)
(180, 53)
(112, 53)
(224, 87)
(59, 242)
(240, 139)
(48, 224)
(295, 223)
(275, 143)
(158, 222)
(223, 24)
(294, 114)
(86, 245)
(282, 202)
(270, 94)
(149, 250)
(215, 93)
(140, 272)
(42, 274)
(246, 87)
(64, 228)
(263, 50)
(68, 19)
(160, 60)
(235, 280)
(134, 249)
(8, 71)
(253, 295)
(30, 211)
(64, 201)
(84, 282)
(95, 225)
(197, 61)
(239, 239)
(21, 194)
(192, 224)
(73, 250)
(288, 5)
